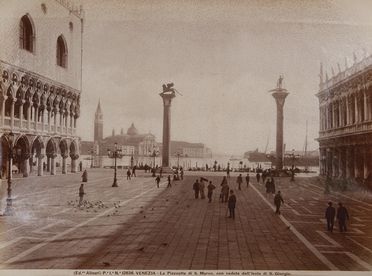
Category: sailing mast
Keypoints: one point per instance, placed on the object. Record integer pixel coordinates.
(305, 154)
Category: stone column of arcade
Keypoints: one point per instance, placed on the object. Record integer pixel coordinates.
(26, 165)
(53, 164)
(279, 94)
(40, 165)
(64, 157)
(167, 95)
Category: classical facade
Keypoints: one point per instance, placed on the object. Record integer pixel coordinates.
(193, 150)
(40, 85)
(345, 135)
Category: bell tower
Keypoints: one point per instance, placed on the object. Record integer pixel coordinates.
(98, 124)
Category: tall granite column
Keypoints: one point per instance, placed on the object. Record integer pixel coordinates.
(167, 100)
(279, 95)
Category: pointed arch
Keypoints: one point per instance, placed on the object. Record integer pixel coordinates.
(62, 51)
(51, 148)
(9, 101)
(27, 33)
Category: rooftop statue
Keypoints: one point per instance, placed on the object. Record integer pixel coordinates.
(280, 82)
(168, 88)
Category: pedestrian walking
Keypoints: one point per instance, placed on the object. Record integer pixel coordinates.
(231, 204)
(258, 176)
(195, 187)
(80, 166)
(264, 175)
(224, 181)
(201, 188)
(134, 171)
(278, 200)
(169, 182)
(272, 185)
(342, 216)
(157, 179)
(330, 216)
(81, 194)
(210, 188)
(228, 170)
(128, 174)
(239, 180)
(181, 173)
(247, 180)
(84, 176)
(225, 192)
(268, 187)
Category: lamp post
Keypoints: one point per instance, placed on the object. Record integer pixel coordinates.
(91, 160)
(178, 154)
(293, 157)
(114, 154)
(9, 208)
(132, 160)
(154, 153)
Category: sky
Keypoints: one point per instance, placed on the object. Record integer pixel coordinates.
(224, 57)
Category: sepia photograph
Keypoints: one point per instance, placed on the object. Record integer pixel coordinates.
(186, 137)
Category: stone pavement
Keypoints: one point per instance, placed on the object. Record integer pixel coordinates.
(138, 226)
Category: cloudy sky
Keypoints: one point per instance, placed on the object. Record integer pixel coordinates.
(223, 56)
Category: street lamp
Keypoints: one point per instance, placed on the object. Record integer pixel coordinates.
(154, 153)
(132, 160)
(293, 157)
(9, 209)
(91, 160)
(178, 154)
(114, 154)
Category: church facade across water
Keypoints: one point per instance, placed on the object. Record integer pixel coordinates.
(137, 148)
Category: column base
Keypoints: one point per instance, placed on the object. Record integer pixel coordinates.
(9, 209)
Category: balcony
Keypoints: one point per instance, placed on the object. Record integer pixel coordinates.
(358, 128)
(22, 126)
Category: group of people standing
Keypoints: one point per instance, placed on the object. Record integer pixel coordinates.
(226, 194)
(342, 215)
(199, 189)
(132, 173)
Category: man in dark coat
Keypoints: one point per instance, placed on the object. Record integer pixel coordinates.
(196, 188)
(278, 200)
(247, 179)
(85, 176)
(210, 188)
(231, 204)
(81, 194)
(342, 216)
(330, 216)
(239, 180)
(258, 176)
(157, 179)
(181, 173)
(169, 182)
(128, 174)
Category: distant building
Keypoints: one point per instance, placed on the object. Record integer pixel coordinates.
(186, 149)
(40, 85)
(140, 146)
(345, 132)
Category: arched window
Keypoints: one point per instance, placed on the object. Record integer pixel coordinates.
(61, 52)
(26, 34)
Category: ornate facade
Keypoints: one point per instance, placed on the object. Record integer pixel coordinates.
(40, 86)
(345, 135)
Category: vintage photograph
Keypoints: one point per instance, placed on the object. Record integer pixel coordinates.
(186, 135)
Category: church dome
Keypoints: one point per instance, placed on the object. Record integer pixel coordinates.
(132, 130)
